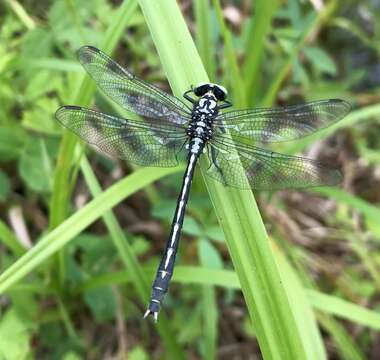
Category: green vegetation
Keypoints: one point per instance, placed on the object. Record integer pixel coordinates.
(76, 271)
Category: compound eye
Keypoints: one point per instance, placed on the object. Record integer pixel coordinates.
(201, 89)
(219, 93)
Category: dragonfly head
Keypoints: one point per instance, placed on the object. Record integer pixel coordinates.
(219, 92)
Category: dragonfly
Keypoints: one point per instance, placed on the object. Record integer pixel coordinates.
(170, 129)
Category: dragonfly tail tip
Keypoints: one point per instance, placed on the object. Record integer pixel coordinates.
(153, 313)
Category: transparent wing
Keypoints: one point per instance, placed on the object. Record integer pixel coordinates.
(130, 92)
(157, 144)
(282, 124)
(264, 169)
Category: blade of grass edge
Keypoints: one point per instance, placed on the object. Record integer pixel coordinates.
(234, 74)
(228, 279)
(237, 211)
(203, 36)
(343, 341)
(263, 12)
(304, 315)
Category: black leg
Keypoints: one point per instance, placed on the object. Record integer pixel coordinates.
(226, 105)
(189, 98)
(214, 161)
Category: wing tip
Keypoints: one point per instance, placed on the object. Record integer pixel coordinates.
(59, 114)
(85, 52)
(344, 103)
(88, 48)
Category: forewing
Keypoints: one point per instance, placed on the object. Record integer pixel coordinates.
(156, 144)
(130, 92)
(282, 124)
(264, 169)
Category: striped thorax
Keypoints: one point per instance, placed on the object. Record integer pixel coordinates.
(202, 117)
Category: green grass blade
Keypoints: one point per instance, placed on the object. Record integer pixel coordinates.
(344, 309)
(209, 303)
(361, 206)
(234, 75)
(237, 212)
(203, 36)
(304, 315)
(9, 239)
(210, 322)
(345, 345)
(259, 28)
(228, 279)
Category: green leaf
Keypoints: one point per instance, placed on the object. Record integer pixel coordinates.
(71, 356)
(191, 227)
(40, 84)
(138, 353)
(40, 118)
(102, 303)
(11, 142)
(208, 255)
(215, 233)
(35, 164)
(15, 336)
(320, 60)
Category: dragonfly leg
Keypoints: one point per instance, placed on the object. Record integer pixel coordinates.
(226, 105)
(214, 161)
(189, 98)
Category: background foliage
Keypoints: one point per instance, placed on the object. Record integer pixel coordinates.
(85, 300)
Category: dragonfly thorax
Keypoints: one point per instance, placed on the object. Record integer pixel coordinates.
(199, 130)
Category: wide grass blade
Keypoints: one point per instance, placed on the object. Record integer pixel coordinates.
(266, 299)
